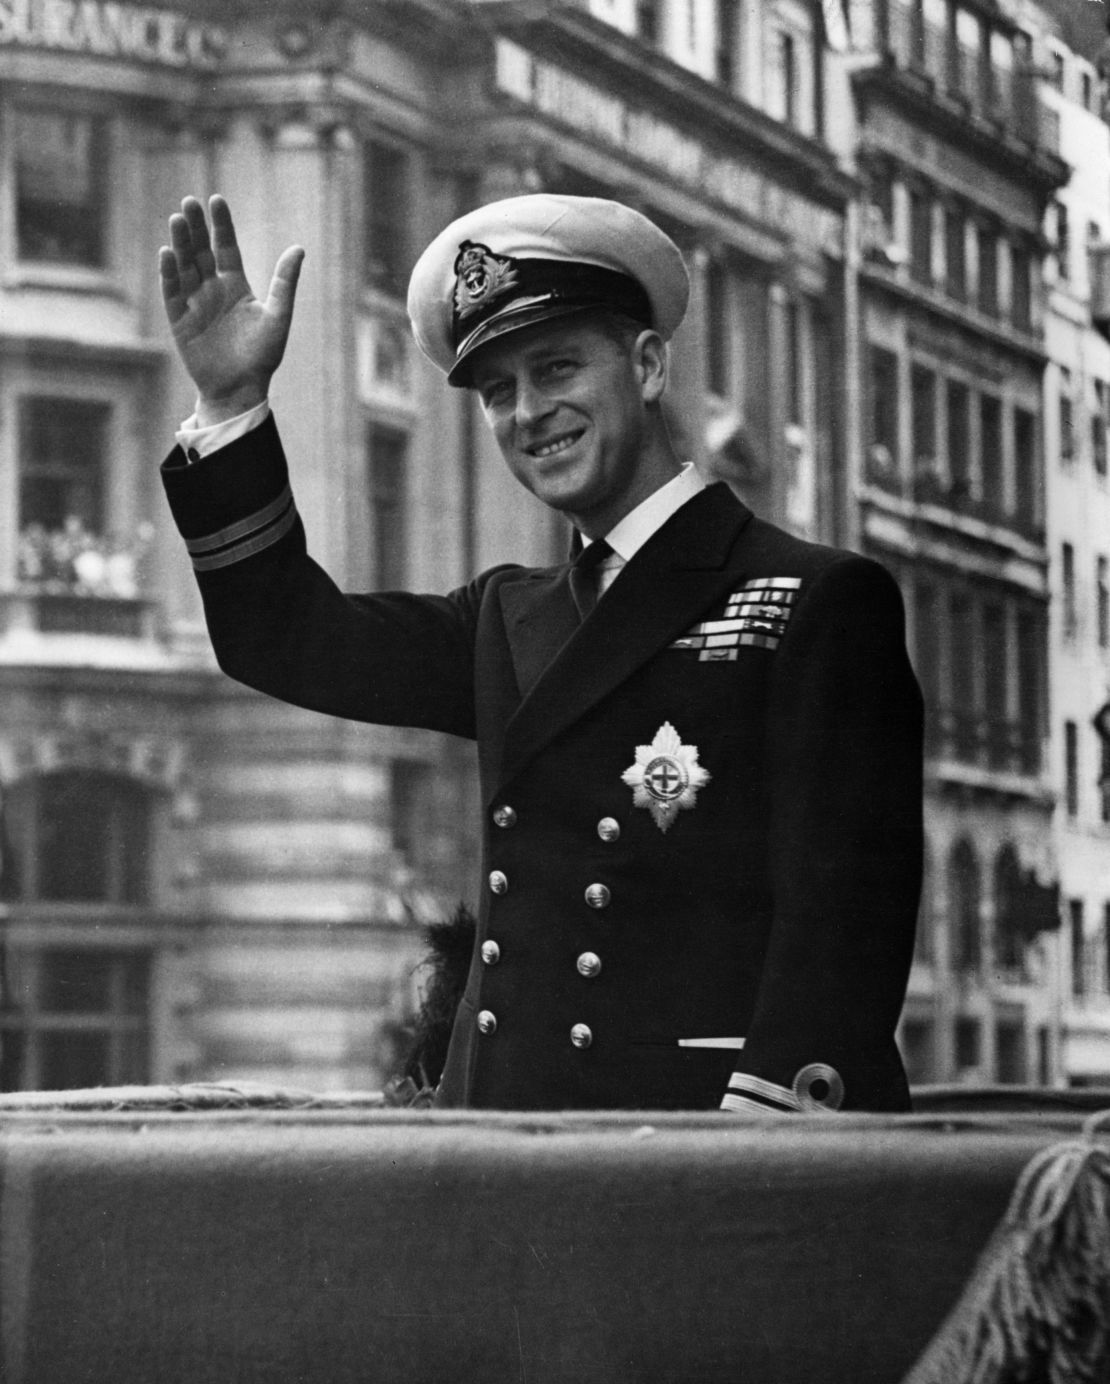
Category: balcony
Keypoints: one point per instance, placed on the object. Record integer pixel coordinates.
(986, 97)
(984, 741)
(932, 495)
(73, 581)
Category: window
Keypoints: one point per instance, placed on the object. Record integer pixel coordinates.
(1030, 667)
(1062, 242)
(1104, 780)
(1102, 603)
(1021, 288)
(968, 1044)
(1069, 619)
(990, 450)
(1025, 466)
(1071, 768)
(927, 644)
(80, 837)
(959, 441)
(647, 20)
(717, 318)
(73, 1018)
(963, 894)
(63, 447)
(1009, 1045)
(955, 258)
(795, 380)
(726, 62)
(387, 454)
(964, 661)
(883, 402)
(1056, 70)
(1078, 948)
(921, 236)
(916, 1044)
(1067, 417)
(76, 1015)
(786, 106)
(995, 684)
(388, 219)
(1098, 428)
(987, 242)
(1010, 924)
(62, 185)
(923, 936)
(923, 404)
(1086, 89)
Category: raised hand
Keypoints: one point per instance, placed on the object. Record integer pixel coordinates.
(230, 342)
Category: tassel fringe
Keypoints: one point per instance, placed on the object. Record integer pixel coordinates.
(1037, 1308)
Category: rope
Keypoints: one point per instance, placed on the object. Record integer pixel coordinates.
(1037, 1308)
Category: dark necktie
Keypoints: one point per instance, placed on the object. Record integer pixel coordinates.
(583, 575)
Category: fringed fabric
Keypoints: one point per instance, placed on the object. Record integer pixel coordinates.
(1037, 1308)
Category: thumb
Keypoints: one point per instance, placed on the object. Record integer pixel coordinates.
(283, 286)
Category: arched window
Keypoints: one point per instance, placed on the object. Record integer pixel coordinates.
(1010, 926)
(963, 908)
(74, 1007)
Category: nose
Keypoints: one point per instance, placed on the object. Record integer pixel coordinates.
(531, 404)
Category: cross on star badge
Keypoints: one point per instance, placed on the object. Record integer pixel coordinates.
(666, 776)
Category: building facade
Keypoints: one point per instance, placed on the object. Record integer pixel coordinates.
(1069, 42)
(958, 158)
(198, 883)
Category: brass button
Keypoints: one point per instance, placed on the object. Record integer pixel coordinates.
(609, 829)
(504, 816)
(581, 1036)
(589, 965)
(498, 881)
(598, 896)
(487, 1021)
(491, 952)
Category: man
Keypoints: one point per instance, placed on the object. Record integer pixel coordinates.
(700, 744)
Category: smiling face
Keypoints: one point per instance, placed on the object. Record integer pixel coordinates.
(570, 407)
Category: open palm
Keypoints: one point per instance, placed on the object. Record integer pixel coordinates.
(230, 341)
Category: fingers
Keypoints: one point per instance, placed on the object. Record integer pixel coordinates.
(225, 245)
(283, 286)
(203, 258)
(175, 301)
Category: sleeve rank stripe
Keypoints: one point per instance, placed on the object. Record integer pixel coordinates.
(250, 546)
(758, 1088)
(744, 1105)
(242, 527)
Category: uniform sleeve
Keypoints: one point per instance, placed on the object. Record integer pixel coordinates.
(279, 624)
(844, 759)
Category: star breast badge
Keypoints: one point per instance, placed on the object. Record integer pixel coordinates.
(666, 776)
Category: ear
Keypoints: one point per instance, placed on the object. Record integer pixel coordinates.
(649, 357)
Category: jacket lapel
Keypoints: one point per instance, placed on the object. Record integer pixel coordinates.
(564, 668)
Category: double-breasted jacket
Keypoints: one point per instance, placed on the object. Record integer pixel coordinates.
(702, 804)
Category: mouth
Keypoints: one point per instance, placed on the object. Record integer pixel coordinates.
(553, 446)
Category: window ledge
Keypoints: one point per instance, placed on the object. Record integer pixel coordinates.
(64, 278)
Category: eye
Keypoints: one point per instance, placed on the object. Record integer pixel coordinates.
(559, 368)
(495, 393)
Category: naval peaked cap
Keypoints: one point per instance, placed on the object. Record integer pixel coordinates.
(529, 259)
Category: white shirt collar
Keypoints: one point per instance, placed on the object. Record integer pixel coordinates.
(629, 534)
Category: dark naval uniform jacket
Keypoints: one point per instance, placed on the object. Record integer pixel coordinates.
(702, 835)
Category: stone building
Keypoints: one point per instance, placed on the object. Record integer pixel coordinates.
(959, 157)
(199, 883)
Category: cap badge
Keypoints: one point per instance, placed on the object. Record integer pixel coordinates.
(480, 277)
(666, 776)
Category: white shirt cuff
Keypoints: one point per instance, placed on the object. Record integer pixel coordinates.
(197, 442)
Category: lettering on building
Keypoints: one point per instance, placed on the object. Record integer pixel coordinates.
(111, 30)
(641, 135)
